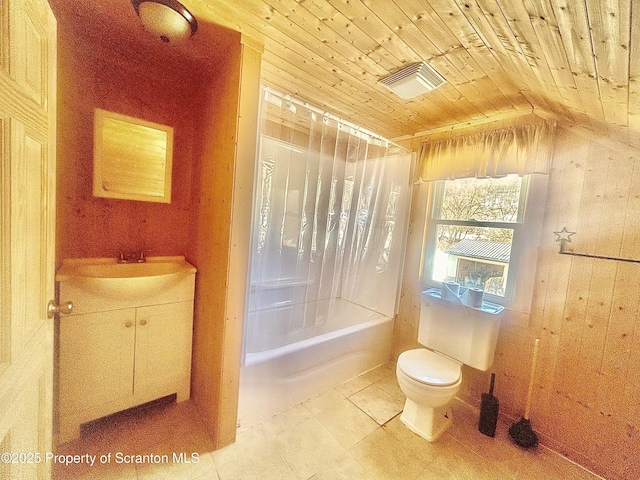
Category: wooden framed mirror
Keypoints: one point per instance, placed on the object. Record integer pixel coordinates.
(132, 158)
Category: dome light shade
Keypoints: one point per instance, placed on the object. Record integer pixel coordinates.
(168, 20)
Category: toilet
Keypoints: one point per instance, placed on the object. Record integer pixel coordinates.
(453, 335)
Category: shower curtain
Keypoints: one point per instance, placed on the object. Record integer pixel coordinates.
(331, 205)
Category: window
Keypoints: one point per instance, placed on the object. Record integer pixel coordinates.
(481, 232)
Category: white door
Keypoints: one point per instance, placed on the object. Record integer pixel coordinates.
(27, 243)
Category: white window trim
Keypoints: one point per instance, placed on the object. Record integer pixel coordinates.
(524, 247)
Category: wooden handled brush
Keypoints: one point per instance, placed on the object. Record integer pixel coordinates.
(521, 432)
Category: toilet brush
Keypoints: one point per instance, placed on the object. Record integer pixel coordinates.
(489, 411)
(521, 432)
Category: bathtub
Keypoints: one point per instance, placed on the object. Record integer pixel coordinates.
(334, 340)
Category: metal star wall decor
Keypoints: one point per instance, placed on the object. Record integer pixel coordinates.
(564, 236)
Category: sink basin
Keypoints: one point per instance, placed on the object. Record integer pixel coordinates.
(109, 268)
(103, 283)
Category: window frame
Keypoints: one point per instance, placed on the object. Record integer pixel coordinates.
(524, 244)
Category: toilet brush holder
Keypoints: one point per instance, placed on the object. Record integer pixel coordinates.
(489, 411)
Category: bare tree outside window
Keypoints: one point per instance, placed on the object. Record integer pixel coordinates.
(474, 233)
(480, 200)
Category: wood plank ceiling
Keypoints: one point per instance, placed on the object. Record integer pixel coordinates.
(578, 60)
(575, 60)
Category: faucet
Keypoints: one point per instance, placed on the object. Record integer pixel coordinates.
(132, 257)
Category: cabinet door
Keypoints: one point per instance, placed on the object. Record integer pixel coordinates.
(163, 350)
(96, 359)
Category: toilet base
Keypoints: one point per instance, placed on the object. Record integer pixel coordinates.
(427, 422)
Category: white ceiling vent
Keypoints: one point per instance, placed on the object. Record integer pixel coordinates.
(413, 80)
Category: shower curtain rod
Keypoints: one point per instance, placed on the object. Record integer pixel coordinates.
(290, 99)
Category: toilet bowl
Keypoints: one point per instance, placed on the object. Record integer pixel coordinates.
(430, 381)
(453, 335)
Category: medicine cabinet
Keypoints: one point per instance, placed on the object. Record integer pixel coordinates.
(132, 158)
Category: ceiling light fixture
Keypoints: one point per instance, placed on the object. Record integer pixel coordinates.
(413, 80)
(168, 20)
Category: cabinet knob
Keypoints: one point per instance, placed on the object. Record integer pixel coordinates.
(128, 324)
(53, 308)
(143, 322)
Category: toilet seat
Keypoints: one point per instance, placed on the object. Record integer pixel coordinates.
(429, 368)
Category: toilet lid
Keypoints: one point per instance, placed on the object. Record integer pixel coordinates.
(428, 367)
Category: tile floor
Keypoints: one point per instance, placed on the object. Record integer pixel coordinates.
(350, 432)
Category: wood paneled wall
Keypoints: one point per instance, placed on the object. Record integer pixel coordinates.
(240, 240)
(128, 81)
(586, 401)
(210, 233)
(220, 232)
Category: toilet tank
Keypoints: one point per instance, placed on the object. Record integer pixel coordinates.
(466, 334)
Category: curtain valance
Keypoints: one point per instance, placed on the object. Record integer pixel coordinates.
(521, 149)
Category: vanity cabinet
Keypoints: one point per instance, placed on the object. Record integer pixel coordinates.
(117, 358)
